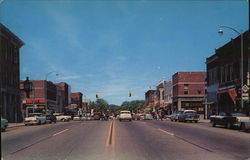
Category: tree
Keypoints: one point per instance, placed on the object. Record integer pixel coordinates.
(133, 106)
(102, 105)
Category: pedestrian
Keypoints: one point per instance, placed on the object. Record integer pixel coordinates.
(160, 115)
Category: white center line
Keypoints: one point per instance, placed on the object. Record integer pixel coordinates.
(60, 132)
(172, 134)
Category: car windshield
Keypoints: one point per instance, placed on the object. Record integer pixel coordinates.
(239, 115)
(125, 112)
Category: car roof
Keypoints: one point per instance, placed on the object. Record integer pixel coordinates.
(189, 111)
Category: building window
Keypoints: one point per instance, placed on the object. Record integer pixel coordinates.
(222, 70)
(185, 91)
(199, 91)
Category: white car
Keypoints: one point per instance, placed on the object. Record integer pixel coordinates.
(125, 115)
(77, 118)
(61, 117)
(4, 124)
(35, 118)
(242, 122)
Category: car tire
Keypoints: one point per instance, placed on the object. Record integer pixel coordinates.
(39, 122)
(185, 121)
(242, 126)
(214, 124)
(196, 121)
(228, 125)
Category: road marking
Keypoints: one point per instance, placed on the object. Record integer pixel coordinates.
(172, 134)
(197, 145)
(60, 132)
(113, 135)
(109, 140)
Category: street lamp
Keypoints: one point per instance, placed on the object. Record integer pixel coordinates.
(241, 52)
(46, 76)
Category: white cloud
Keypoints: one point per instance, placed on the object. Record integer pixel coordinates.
(69, 77)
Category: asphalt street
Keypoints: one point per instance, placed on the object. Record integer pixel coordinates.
(114, 140)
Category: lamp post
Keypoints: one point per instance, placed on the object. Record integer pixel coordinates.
(241, 53)
(45, 86)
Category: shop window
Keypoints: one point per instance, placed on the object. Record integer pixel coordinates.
(199, 91)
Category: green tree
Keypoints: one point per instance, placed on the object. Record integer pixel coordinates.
(133, 106)
(102, 105)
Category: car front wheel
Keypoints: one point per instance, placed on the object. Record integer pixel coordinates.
(228, 125)
(214, 124)
(242, 126)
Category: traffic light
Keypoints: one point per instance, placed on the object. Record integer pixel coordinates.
(96, 95)
(129, 94)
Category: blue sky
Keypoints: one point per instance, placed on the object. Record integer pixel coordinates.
(113, 47)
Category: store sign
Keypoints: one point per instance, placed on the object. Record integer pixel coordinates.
(245, 88)
(245, 96)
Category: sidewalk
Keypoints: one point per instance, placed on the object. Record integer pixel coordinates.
(204, 121)
(11, 125)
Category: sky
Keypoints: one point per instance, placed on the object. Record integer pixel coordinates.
(112, 47)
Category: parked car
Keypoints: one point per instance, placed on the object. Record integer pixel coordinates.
(136, 117)
(125, 115)
(97, 115)
(188, 115)
(50, 118)
(225, 119)
(167, 116)
(175, 115)
(35, 118)
(242, 121)
(142, 116)
(77, 118)
(61, 117)
(4, 124)
(148, 117)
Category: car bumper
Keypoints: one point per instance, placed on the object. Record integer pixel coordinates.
(30, 122)
(125, 118)
(237, 124)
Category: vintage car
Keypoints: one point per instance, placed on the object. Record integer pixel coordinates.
(35, 118)
(224, 119)
(50, 118)
(242, 121)
(148, 117)
(136, 117)
(188, 115)
(4, 124)
(174, 116)
(61, 117)
(125, 115)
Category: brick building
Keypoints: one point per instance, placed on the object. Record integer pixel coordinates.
(66, 96)
(76, 98)
(160, 89)
(151, 99)
(224, 78)
(168, 93)
(43, 97)
(189, 91)
(10, 45)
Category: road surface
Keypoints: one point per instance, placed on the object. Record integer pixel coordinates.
(114, 140)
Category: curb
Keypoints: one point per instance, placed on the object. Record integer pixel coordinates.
(12, 126)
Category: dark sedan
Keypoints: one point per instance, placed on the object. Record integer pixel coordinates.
(224, 119)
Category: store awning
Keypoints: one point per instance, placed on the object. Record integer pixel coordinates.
(231, 92)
